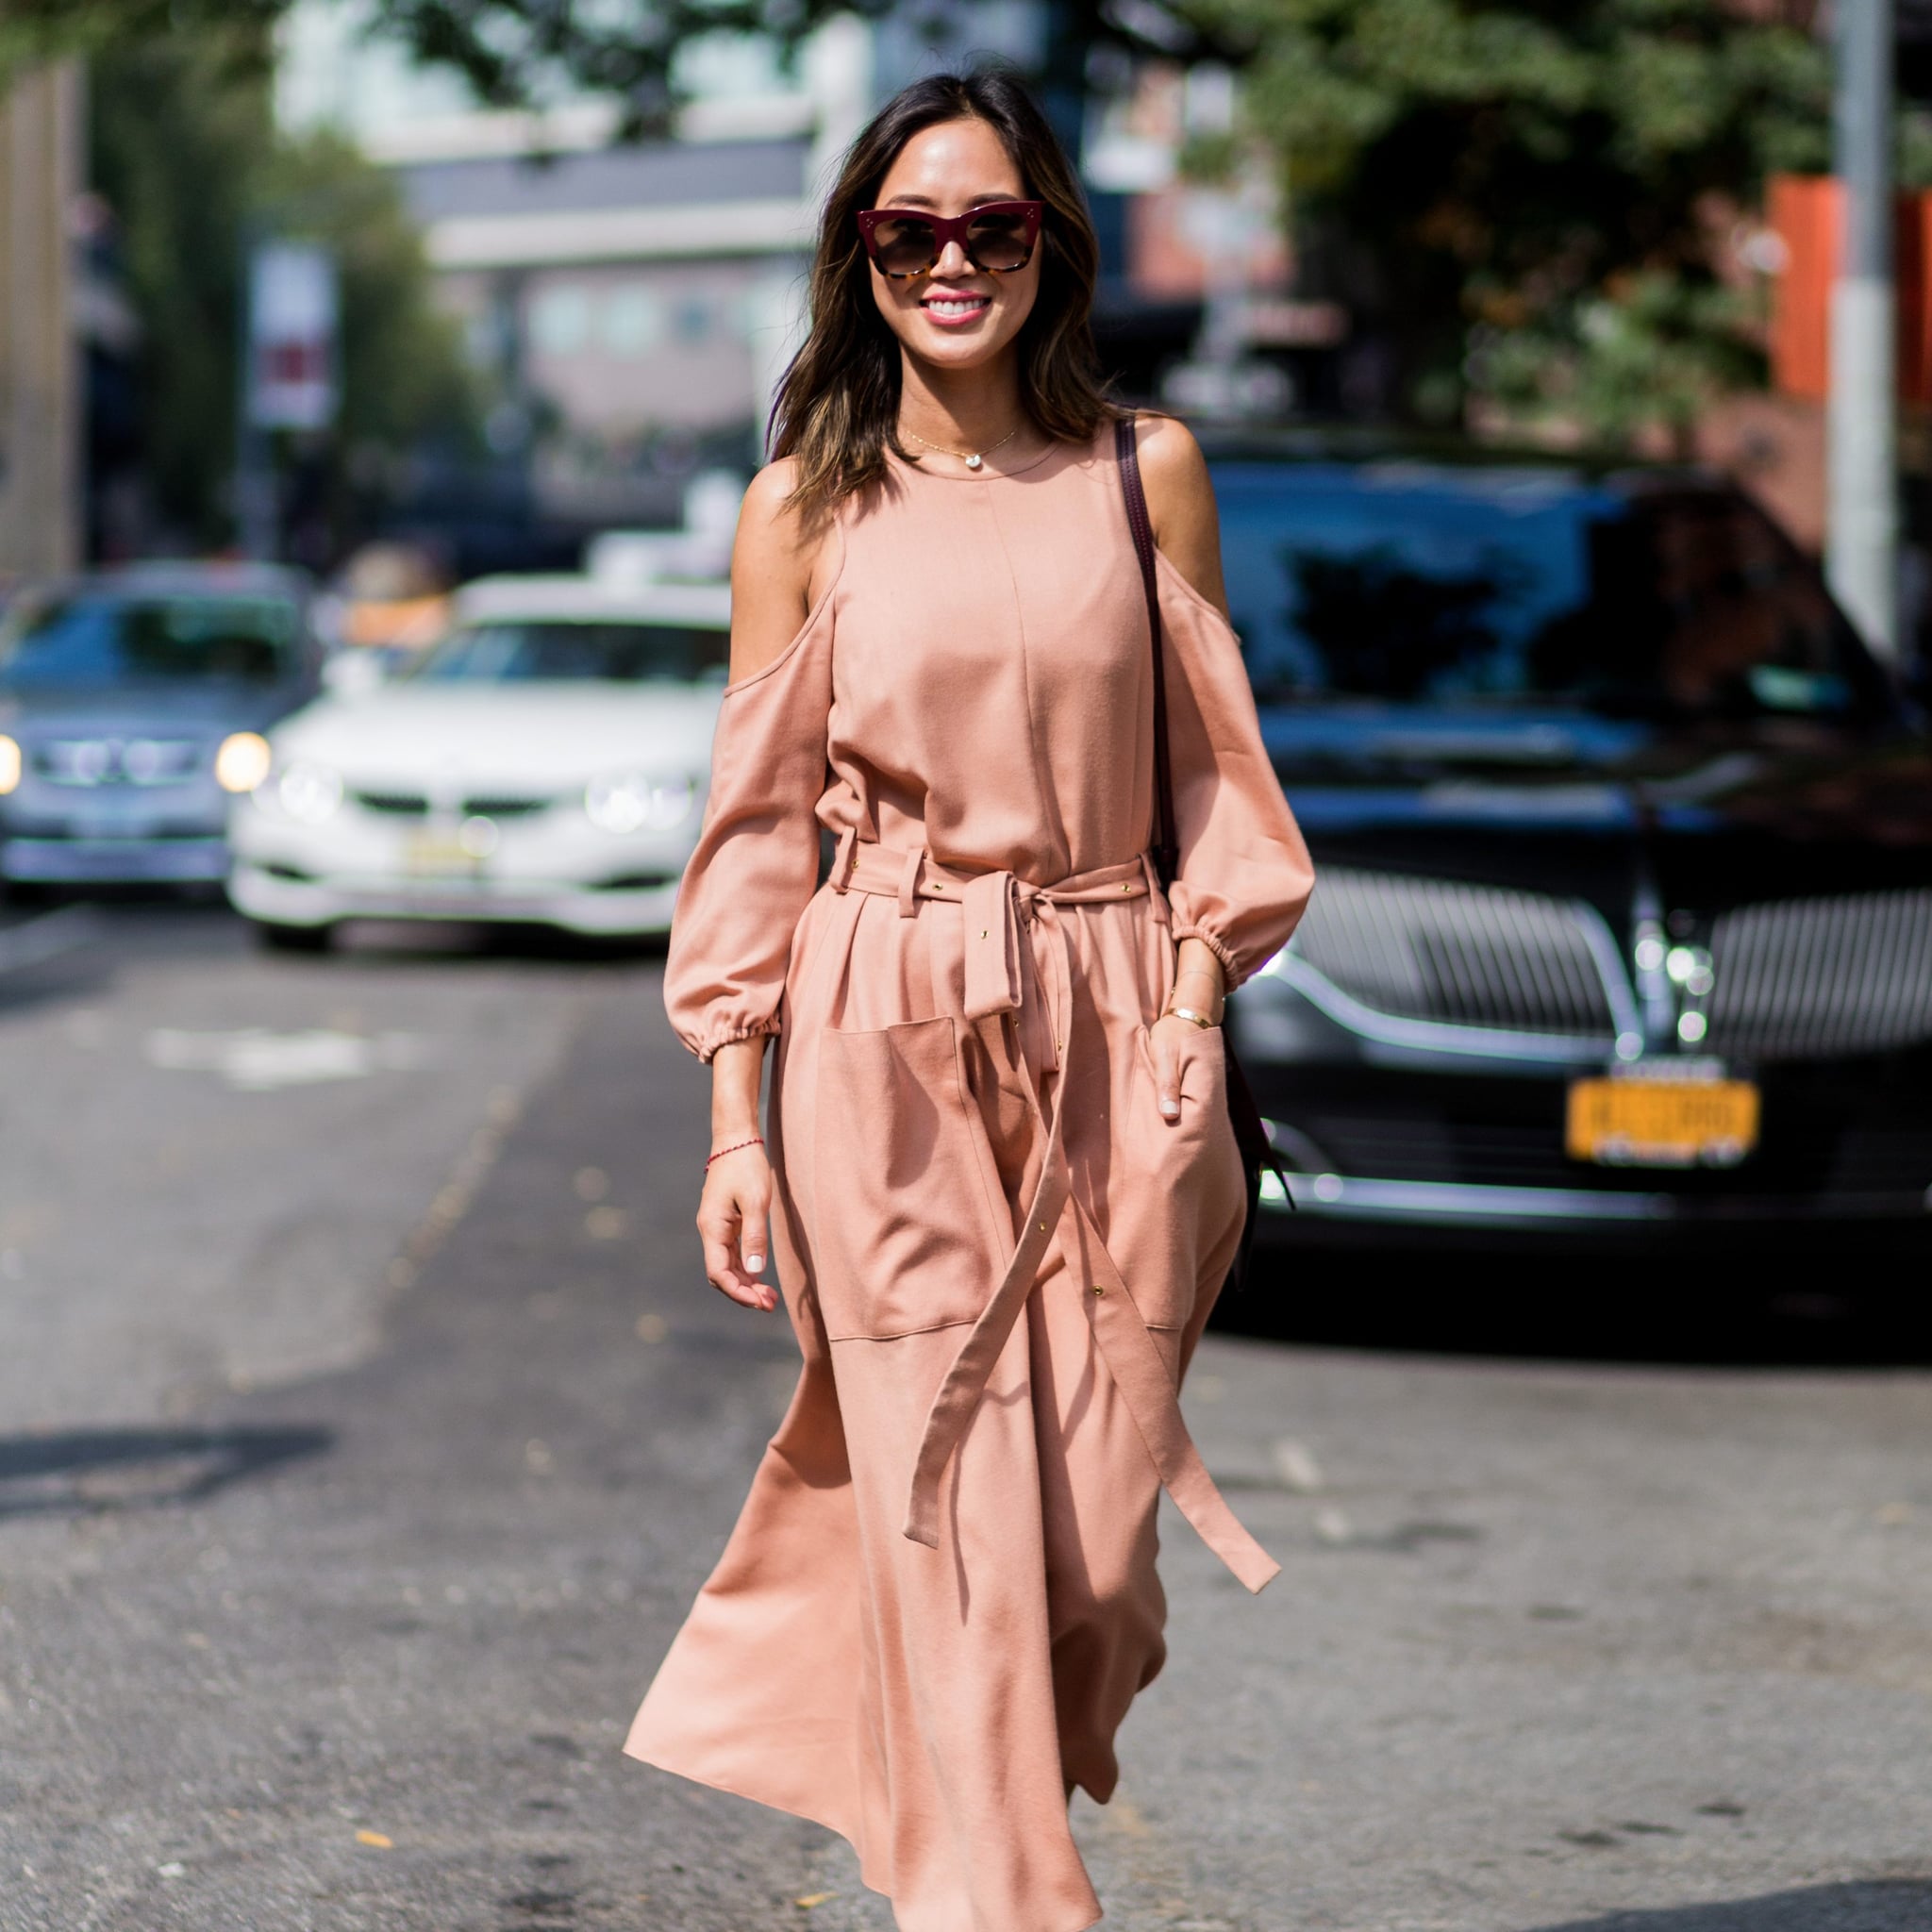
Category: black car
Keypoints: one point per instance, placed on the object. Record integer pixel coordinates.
(1624, 841)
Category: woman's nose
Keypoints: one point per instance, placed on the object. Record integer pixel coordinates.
(952, 259)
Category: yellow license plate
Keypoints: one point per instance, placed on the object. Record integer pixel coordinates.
(434, 855)
(1662, 1123)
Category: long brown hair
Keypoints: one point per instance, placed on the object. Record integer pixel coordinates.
(836, 409)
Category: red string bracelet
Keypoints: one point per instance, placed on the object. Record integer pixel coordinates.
(756, 1140)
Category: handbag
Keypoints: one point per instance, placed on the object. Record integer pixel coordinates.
(1257, 1154)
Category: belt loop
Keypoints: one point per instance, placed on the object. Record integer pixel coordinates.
(909, 881)
(839, 878)
(1154, 890)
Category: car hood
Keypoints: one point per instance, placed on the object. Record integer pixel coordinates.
(1706, 813)
(515, 734)
(143, 710)
(1802, 778)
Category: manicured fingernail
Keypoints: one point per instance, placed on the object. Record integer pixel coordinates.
(754, 1262)
(1170, 1107)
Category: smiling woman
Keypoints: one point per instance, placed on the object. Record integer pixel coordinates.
(972, 335)
(1003, 1185)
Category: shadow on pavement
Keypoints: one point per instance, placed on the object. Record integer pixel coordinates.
(1742, 1309)
(1876, 1906)
(90, 1470)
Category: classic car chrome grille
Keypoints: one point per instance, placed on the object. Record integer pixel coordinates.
(1807, 978)
(1457, 955)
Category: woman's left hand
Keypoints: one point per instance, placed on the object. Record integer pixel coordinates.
(1165, 1037)
(1199, 985)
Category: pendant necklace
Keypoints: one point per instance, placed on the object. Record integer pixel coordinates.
(971, 458)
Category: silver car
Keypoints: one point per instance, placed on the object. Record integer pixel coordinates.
(134, 705)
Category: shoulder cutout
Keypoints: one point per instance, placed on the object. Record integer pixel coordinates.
(774, 573)
(1180, 500)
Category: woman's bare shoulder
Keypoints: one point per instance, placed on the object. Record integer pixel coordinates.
(778, 562)
(1180, 501)
(1170, 458)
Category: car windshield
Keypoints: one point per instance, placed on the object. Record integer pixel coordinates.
(549, 650)
(1519, 588)
(92, 641)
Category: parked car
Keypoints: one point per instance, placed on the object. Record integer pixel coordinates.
(1623, 841)
(133, 705)
(548, 763)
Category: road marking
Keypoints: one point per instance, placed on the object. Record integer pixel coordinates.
(36, 941)
(256, 1060)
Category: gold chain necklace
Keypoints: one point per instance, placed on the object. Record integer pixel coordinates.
(971, 458)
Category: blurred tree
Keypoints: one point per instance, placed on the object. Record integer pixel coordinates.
(1526, 197)
(185, 155)
(1529, 196)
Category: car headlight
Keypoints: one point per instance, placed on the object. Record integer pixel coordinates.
(10, 765)
(242, 761)
(308, 793)
(630, 802)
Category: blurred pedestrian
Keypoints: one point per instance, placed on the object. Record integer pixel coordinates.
(1000, 1185)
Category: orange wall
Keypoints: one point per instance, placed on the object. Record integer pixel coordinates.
(1804, 211)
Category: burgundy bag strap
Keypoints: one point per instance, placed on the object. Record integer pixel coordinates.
(1251, 1137)
(1165, 845)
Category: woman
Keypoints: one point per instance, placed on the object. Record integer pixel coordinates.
(1000, 1183)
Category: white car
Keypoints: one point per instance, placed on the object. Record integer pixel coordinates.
(546, 763)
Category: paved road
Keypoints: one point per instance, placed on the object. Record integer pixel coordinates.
(365, 1426)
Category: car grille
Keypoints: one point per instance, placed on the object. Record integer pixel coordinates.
(404, 805)
(1458, 954)
(490, 805)
(117, 761)
(504, 805)
(1808, 978)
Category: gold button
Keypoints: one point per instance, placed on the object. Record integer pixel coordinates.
(1126, 885)
(982, 932)
(1043, 1227)
(1098, 1290)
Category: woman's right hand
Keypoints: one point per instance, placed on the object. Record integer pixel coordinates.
(734, 1219)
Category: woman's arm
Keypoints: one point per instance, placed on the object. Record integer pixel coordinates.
(774, 579)
(1180, 502)
(1187, 530)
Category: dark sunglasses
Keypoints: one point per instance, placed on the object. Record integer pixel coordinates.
(996, 237)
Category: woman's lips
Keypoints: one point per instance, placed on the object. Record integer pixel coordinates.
(950, 312)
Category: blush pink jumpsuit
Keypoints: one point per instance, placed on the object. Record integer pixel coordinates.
(941, 1597)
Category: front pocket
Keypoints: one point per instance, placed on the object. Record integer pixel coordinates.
(1190, 1190)
(908, 1217)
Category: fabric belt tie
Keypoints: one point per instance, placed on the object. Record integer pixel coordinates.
(995, 905)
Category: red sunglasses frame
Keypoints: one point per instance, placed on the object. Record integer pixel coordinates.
(947, 228)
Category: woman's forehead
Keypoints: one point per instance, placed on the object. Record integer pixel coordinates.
(948, 167)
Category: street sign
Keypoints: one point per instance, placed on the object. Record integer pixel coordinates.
(291, 337)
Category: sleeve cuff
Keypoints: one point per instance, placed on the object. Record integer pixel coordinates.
(757, 1030)
(1218, 946)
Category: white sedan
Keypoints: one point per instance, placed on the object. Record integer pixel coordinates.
(546, 763)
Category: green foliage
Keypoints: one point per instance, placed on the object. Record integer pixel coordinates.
(1646, 357)
(180, 132)
(1547, 168)
(185, 153)
(32, 30)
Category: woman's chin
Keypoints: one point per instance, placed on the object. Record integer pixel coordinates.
(957, 346)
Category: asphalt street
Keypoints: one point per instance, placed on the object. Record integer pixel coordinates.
(366, 1426)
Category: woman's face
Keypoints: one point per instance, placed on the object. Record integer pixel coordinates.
(956, 317)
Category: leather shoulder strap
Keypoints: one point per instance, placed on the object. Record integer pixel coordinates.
(1163, 845)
